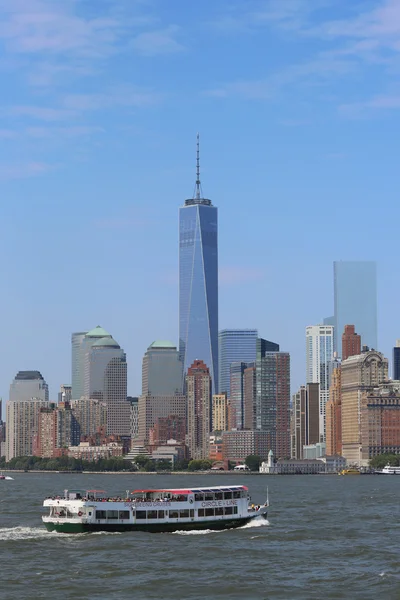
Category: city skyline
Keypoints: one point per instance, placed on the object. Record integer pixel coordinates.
(97, 157)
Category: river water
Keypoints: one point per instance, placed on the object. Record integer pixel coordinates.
(326, 537)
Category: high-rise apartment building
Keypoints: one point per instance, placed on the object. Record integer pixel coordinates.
(396, 361)
(27, 385)
(22, 420)
(304, 419)
(220, 412)
(249, 396)
(57, 429)
(355, 300)
(134, 416)
(360, 374)
(351, 342)
(271, 408)
(198, 386)
(319, 357)
(91, 415)
(161, 370)
(198, 282)
(234, 345)
(237, 395)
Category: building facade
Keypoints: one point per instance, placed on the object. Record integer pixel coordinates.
(22, 421)
(238, 445)
(65, 393)
(351, 342)
(396, 361)
(81, 342)
(304, 419)
(220, 412)
(234, 346)
(161, 370)
(198, 283)
(199, 416)
(359, 374)
(90, 413)
(334, 415)
(355, 299)
(319, 357)
(152, 408)
(134, 416)
(380, 420)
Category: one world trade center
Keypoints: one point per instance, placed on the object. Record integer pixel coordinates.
(198, 281)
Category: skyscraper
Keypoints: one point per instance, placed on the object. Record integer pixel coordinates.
(105, 371)
(235, 345)
(198, 385)
(319, 357)
(396, 361)
(82, 341)
(355, 300)
(22, 420)
(161, 370)
(198, 281)
(220, 412)
(304, 419)
(28, 385)
(236, 396)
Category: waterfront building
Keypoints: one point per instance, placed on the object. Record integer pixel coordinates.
(87, 451)
(28, 385)
(238, 445)
(351, 342)
(172, 450)
(90, 413)
(380, 420)
(106, 380)
(313, 451)
(216, 449)
(134, 416)
(198, 282)
(65, 393)
(152, 408)
(199, 417)
(22, 420)
(161, 370)
(396, 361)
(57, 429)
(304, 419)
(360, 373)
(219, 412)
(355, 299)
(234, 346)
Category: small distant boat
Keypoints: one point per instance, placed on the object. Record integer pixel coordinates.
(349, 472)
(6, 477)
(389, 470)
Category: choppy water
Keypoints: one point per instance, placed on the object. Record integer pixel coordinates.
(326, 537)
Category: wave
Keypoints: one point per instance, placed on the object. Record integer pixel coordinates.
(25, 533)
(257, 522)
(198, 531)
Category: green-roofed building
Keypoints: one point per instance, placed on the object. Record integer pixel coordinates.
(162, 370)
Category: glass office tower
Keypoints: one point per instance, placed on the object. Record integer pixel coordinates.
(355, 292)
(198, 283)
(235, 345)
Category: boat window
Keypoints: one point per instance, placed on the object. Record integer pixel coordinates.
(191, 513)
(160, 514)
(228, 510)
(219, 512)
(123, 514)
(152, 514)
(184, 514)
(198, 497)
(228, 495)
(140, 514)
(209, 512)
(209, 496)
(219, 496)
(244, 494)
(200, 512)
(236, 494)
(235, 510)
(112, 514)
(173, 514)
(101, 514)
(90, 514)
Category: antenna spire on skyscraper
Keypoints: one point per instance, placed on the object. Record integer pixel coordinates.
(198, 183)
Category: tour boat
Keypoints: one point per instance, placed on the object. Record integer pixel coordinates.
(161, 510)
(388, 470)
(6, 477)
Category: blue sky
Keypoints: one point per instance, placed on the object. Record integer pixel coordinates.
(298, 107)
